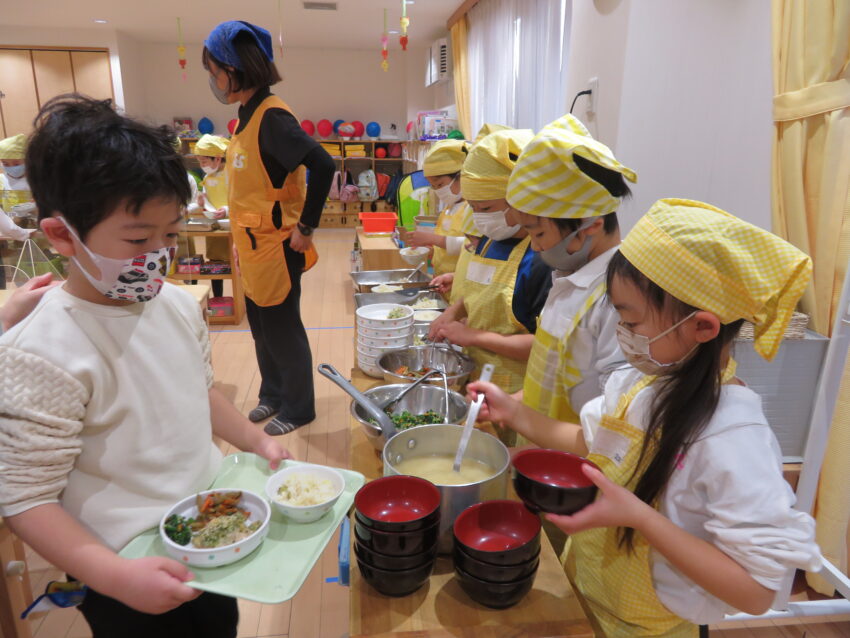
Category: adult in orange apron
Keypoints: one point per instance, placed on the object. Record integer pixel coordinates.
(273, 214)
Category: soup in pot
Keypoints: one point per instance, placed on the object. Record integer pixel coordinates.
(437, 468)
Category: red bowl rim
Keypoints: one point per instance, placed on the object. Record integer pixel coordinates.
(549, 452)
(426, 484)
(469, 511)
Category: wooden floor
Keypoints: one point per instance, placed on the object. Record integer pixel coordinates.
(320, 609)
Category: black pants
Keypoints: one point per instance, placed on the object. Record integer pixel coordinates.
(283, 351)
(207, 616)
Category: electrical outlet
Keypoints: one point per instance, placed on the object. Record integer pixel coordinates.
(593, 87)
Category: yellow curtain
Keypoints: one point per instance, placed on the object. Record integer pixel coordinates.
(811, 206)
(460, 70)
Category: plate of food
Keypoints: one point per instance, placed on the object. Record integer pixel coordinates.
(276, 569)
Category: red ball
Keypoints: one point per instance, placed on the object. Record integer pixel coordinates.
(359, 129)
(231, 126)
(308, 126)
(380, 152)
(325, 128)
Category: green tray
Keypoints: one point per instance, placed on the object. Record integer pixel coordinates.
(275, 571)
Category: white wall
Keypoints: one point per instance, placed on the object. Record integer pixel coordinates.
(696, 107)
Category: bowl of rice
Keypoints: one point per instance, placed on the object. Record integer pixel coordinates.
(304, 493)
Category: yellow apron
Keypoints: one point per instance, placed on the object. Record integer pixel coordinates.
(551, 369)
(449, 224)
(460, 273)
(215, 190)
(259, 243)
(615, 586)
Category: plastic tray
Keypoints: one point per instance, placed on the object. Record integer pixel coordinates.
(275, 572)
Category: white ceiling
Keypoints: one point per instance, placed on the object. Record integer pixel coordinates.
(356, 24)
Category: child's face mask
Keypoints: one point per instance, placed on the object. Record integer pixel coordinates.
(138, 278)
(494, 225)
(15, 172)
(635, 347)
(446, 195)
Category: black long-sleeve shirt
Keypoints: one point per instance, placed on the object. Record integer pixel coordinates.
(283, 147)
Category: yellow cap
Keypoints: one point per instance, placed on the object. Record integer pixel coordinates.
(488, 167)
(469, 227)
(485, 130)
(714, 261)
(13, 148)
(445, 158)
(547, 182)
(211, 146)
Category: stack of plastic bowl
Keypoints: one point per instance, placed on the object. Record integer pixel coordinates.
(377, 333)
(496, 552)
(396, 523)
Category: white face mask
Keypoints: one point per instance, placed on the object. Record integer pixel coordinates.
(138, 278)
(209, 170)
(635, 347)
(15, 172)
(493, 225)
(447, 197)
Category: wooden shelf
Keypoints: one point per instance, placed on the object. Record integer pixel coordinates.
(221, 319)
(190, 276)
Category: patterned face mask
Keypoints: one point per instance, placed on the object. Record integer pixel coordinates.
(139, 278)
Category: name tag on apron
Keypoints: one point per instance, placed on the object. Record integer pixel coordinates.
(611, 444)
(480, 273)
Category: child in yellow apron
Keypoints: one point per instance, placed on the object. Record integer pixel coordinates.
(14, 188)
(442, 170)
(501, 289)
(210, 151)
(693, 518)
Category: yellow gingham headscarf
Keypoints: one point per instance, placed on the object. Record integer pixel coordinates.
(546, 181)
(488, 167)
(13, 148)
(714, 261)
(486, 129)
(445, 158)
(211, 146)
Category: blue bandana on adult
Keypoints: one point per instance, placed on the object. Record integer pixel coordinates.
(220, 41)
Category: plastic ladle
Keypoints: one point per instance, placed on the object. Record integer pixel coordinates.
(486, 373)
(372, 408)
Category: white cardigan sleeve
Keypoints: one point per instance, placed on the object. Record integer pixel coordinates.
(41, 416)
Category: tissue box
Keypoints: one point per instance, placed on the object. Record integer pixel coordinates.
(220, 307)
(190, 265)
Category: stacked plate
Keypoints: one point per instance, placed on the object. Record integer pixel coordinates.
(381, 327)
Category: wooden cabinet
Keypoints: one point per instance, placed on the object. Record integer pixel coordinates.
(15, 592)
(29, 78)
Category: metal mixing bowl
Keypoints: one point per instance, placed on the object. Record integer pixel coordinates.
(456, 365)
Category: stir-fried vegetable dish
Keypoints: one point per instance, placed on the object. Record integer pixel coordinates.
(219, 522)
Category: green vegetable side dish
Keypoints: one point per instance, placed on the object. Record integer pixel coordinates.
(177, 529)
(407, 420)
(396, 313)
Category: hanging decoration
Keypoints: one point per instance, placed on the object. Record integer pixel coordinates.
(385, 65)
(405, 22)
(181, 49)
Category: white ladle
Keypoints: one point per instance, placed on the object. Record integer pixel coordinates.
(486, 373)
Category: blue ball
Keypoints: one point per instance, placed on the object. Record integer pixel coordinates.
(205, 126)
(373, 129)
(336, 125)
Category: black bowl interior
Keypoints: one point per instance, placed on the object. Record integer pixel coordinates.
(397, 503)
(398, 582)
(397, 543)
(393, 563)
(498, 532)
(495, 595)
(494, 573)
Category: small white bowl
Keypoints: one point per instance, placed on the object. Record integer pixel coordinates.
(390, 333)
(369, 366)
(375, 316)
(375, 353)
(414, 256)
(387, 341)
(226, 554)
(425, 316)
(304, 513)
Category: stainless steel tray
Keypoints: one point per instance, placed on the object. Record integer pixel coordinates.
(365, 279)
(367, 298)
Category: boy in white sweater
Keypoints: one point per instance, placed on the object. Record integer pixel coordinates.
(107, 408)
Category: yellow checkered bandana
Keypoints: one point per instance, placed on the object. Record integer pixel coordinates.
(714, 261)
(211, 146)
(469, 227)
(13, 148)
(445, 158)
(546, 181)
(488, 168)
(485, 130)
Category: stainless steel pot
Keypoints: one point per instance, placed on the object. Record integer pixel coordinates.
(429, 440)
(456, 365)
(418, 401)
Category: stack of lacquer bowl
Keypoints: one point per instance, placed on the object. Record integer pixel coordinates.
(396, 523)
(381, 327)
(496, 552)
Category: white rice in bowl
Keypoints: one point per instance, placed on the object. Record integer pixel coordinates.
(302, 489)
